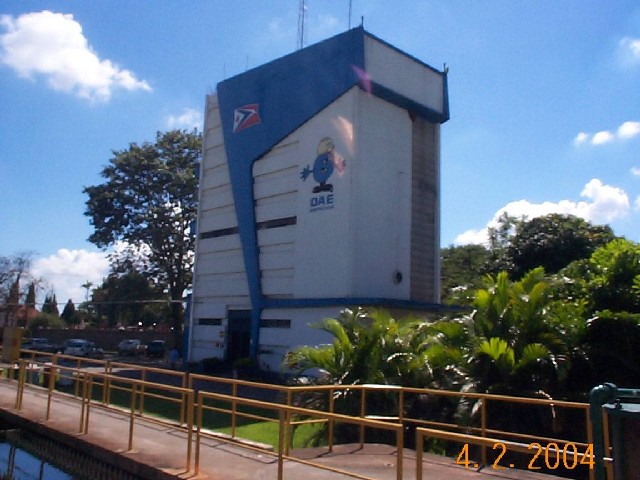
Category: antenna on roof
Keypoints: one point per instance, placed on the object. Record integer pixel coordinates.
(302, 14)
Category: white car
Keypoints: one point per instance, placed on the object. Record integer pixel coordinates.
(79, 347)
(130, 347)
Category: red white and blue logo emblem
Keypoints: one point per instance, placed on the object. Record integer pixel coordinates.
(245, 117)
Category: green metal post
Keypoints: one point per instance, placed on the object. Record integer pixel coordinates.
(599, 396)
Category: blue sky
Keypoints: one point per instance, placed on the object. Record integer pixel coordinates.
(544, 98)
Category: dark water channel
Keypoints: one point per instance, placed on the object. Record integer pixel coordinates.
(26, 456)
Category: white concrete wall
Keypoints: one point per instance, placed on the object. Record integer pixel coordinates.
(275, 191)
(208, 342)
(381, 196)
(403, 74)
(276, 342)
(323, 243)
(219, 273)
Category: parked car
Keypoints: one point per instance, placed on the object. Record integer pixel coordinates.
(156, 348)
(41, 345)
(131, 347)
(79, 347)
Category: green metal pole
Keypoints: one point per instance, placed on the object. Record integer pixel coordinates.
(600, 395)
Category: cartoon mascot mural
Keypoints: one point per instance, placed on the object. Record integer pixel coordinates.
(323, 166)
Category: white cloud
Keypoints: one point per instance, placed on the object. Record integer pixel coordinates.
(629, 51)
(629, 130)
(581, 138)
(607, 204)
(53, 46)
(635, 171)
(190, 118)
(478, 237)
(67, 270)
(636, 204)
(602, 137)
(604, 204)
(625, 131)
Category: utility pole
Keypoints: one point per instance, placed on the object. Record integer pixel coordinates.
(302, 18)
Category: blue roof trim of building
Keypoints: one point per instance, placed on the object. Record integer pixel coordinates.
(285, 98)
(408, 104)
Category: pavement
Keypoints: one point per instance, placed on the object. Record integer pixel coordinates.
(160, 449)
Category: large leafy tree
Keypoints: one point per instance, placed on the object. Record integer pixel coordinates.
(608, 284)
(149, 199)
(128, 299)
(462, 268)
(608, 280)
(553, 242)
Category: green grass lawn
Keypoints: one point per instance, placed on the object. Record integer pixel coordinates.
(256, 430)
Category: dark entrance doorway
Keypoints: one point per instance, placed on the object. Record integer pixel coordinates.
(239, 334)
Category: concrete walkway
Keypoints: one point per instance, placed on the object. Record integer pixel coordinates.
(160, 450)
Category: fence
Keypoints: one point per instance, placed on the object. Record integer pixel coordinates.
(374, 408)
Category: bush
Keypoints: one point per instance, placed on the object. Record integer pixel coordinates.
(46, 320)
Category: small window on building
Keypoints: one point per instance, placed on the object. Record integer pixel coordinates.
(209, 321)
(275, 323)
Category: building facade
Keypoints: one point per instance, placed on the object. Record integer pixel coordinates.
(319, 189)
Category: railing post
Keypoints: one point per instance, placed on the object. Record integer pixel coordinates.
(282, 425)
(20, 389)
(592, 474)
(182, 403)
(105, 379)
(419, 452)
(51, 386)
(134, 388)
(331, 422)
(83, 400)
(189, 406)
(289, 437)
(234, 393)
(198, 431)
(109, 383)
(143, 378)
(483, 420)
(76, 384)
(89, 381)
(363, 413)
(400, 452)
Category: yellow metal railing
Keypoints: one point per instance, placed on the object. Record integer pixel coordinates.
(287, 404)
(85, 381)
(285, 413)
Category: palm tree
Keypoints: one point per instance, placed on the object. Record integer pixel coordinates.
(368, 347)
(514, 341)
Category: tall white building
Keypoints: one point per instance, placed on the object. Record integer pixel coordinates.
(319, 189)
